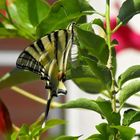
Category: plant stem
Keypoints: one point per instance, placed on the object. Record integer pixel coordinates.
(117, 27)
(108, 29)
(109, 63)
(33, 97)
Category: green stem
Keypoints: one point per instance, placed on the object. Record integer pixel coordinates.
(98, 13)
(109, 63)
(108, 29)
(116, 28)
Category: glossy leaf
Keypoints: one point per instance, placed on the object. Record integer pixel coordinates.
(7, 33)
(85, 79)
(26, 15)
(18, 11)
(89, 84)
(62, 13)
(68, 138)
(130, 73)
(107, 112)
(126, 133)
(52, 123)
(29, 12)
(105, 130)
(129, 9)
(129, 90)
(37, 130)
(24, 130)
(93, 43)
(38, 10)
(14, 136)
(131, 116)
(82, 103)
(101, 72)
(17, 76)
(96, 137)
(100, 23)
(86, 26)
(34, 131)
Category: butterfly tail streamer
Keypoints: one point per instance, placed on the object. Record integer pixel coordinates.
(47, 109)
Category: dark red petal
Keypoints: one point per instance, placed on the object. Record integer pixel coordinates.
(5, 121)
(126, 37)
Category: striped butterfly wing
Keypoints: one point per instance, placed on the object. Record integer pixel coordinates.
(39, 57)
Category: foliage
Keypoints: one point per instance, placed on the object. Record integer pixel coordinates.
(93, 69)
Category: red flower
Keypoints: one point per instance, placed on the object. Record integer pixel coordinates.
(5, 121)
(126, 37)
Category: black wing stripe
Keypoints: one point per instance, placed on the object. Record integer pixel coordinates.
(56, 44)
(66, 38)
(40, 45)
(66, 42)
(49, 37)
(34, 48)
(27, 62)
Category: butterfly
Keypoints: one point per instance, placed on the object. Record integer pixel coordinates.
(48, 57)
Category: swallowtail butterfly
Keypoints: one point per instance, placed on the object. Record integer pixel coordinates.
(48, 58)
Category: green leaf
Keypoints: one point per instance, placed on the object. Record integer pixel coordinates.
(99, 22)
(82, 103)
(24, 130)
(96, 137)
(129, 9)
(19, 13)
(126, 133)
(38, 10)
(90, 85)
(131, 116)
(84, 79)
(7, 33)
(37, 130)
(86, 26)
(95, 44)
(62, 13)
(102, 107)
(130, 73)
(68, 138)
(52, 123)
(105, 130)
(14, 136)
(101, 72)
(129, 90)
(17, 76)
(26, 15)
(29, 12)
(107, 112)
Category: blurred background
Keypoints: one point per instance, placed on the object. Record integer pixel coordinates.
(23, 110)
